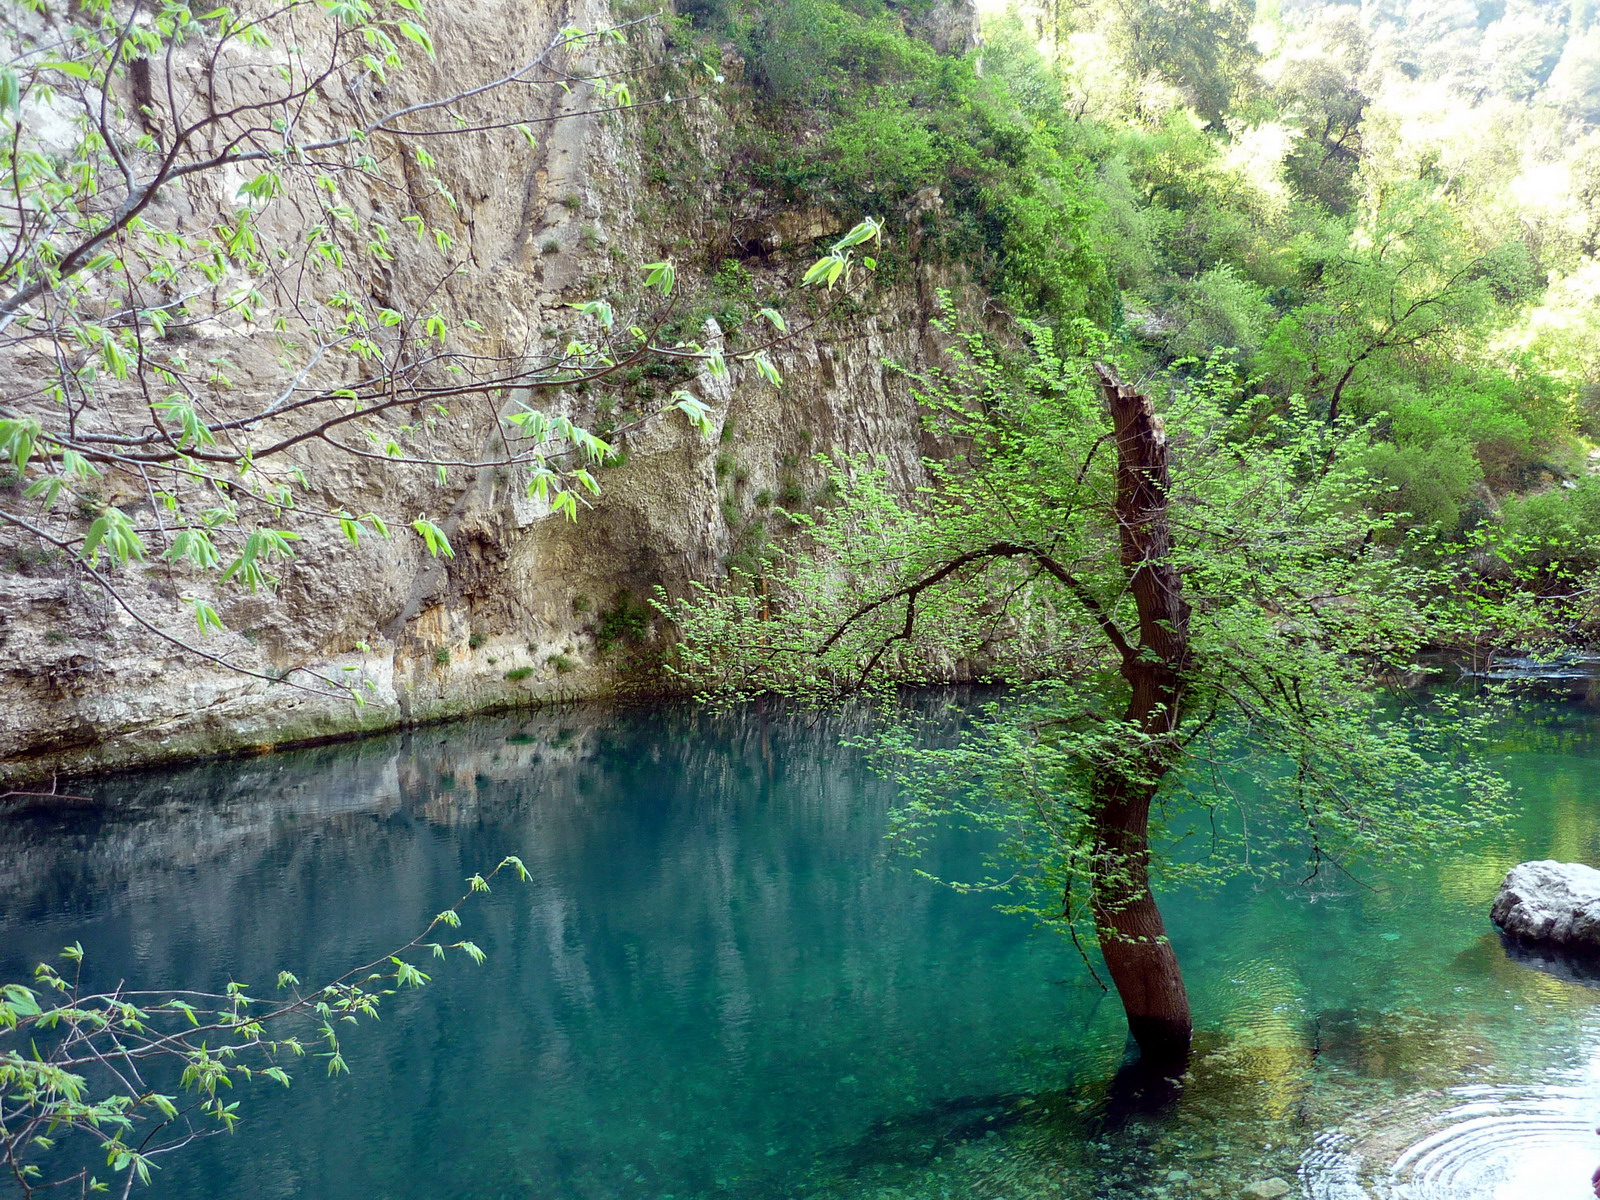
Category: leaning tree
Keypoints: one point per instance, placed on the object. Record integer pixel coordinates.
(1185, 595)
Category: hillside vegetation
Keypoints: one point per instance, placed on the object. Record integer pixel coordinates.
(1393, 213)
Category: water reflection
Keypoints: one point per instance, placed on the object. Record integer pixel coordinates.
(716, 987)
(1494, 1142)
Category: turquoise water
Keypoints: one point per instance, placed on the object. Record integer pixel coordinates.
(717, 986)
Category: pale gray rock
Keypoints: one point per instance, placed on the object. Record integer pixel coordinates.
(1548, 901)
(1267, 1189)
(512, 619)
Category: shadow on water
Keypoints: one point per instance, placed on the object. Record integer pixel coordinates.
(1245, 1111)
(925, 1135)
(1070, 1116)
(1126, 1131)
(1568, 964)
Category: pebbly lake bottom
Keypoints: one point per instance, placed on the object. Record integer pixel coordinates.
(717, 985)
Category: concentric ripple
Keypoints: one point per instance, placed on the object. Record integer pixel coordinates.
(1474, 1143)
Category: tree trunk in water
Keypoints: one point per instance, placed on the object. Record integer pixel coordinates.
(1133, 937)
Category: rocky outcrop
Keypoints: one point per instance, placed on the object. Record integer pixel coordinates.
(532, 608)
(1548, 901)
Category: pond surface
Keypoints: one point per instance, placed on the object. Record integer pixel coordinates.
(717, 986)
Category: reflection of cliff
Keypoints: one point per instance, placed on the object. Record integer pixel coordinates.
(152, 824)
(698, 898)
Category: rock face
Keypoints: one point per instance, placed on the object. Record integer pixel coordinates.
(530, 608)
(1548, 901)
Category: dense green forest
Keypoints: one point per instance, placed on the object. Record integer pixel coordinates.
(1392, 211)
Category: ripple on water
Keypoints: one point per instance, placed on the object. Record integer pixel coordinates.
(1469, 1143)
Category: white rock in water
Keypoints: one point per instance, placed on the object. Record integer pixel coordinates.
(1267, 1189)
(1550, 901)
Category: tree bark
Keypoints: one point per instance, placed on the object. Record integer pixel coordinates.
(1132, 934)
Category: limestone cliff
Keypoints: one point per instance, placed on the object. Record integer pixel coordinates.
(532, 608)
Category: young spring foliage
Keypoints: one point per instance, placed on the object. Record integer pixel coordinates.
(82, 1072)
(1184, 601)
(180, 387)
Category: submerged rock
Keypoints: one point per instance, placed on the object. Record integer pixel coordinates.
(1548, 901)
(1267, 1189)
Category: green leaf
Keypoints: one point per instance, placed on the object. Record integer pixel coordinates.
(818, 272)
(22, 1001)
(661, 275)
(18, 435)
(868, 230)
(766, 369)
(205, 617)
(433, 537)
(697, 412)
(113, 533)
(76, 70)
(598, 309)
(417, 34)
(195, 547)
(194, 431)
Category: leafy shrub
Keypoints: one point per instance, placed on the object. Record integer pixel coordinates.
(1431, 484)
(517, 674)
(627, 620)
(1504, 417)
(883, 152)
(896, 117)
(733, 279)
(813, 51)
(1559, 527)
(1218, 310)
